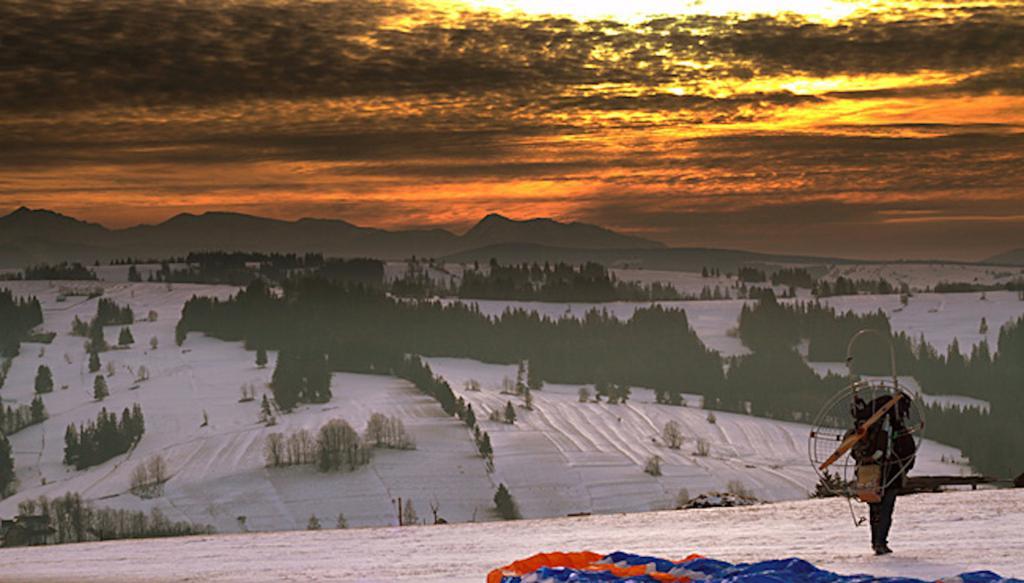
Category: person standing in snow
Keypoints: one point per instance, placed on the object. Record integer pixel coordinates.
(887, 452)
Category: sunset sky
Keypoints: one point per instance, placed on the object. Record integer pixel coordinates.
(856, 128)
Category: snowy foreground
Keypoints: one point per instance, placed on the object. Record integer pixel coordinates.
(935, 535)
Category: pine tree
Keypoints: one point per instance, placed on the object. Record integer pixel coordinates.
(510, 413)
(44, 379)
(99, 388)
(94, 361)
(314, 523)
(470, 417)
(983, 328)
(38, 410)
(70, 445)
(521, 378)
(342, 522)
(125, 338)
(261, 357)
(97, 343)
(505, 504)
(485, 446)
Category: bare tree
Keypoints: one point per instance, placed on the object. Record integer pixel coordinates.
(376, 430)
(157, 469)
(140, 480)
(653, 465)
(672, 435)
(703, 448)
(409, 516)
(274, 450)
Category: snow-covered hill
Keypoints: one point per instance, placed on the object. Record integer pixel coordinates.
(563, 457)
(934, 535)
(217, 471)
(569, 457)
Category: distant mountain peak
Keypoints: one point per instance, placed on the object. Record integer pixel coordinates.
(1011, 257)
(24, 214)
(497, 229)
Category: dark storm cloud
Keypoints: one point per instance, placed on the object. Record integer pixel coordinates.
(79, 54)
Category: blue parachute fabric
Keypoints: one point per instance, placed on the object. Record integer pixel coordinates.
(619, 567)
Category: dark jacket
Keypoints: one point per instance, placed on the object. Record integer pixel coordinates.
(887, 443)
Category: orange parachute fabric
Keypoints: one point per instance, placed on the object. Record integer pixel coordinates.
(581, 561)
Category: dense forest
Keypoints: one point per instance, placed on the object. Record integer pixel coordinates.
(561, 282)
(241, 268)
(843, 286)
(363, 330)
(18, 316)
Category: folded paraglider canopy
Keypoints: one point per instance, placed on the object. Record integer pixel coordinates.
(586, 567)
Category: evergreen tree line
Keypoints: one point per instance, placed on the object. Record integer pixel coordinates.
(464, 411)
(363, 330)
(950, 287)
(793, 277)
(562, 282)
(97, 441)
(61, 271)
(14, 418)
(18, 316)
(751, 275)
(336, 447)
(241, 268)
(843, 286)
(75, 521)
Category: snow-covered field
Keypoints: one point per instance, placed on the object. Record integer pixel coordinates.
(934, 535)
(217, 472)
(562, 457)
(567, 457)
